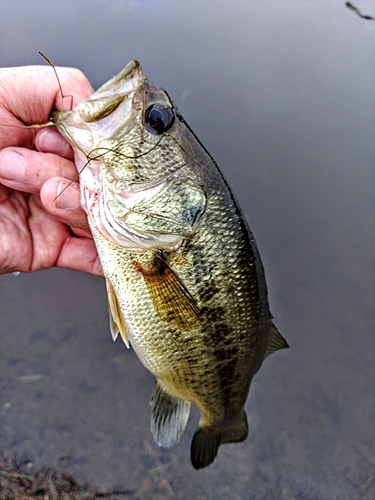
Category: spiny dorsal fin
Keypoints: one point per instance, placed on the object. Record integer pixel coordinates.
(116, 319)
(275, 341)
(169, 416)
(171, 299)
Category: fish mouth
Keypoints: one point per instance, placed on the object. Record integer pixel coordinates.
(130, 78)
(117, 93)
(101, 114)
(127, 81)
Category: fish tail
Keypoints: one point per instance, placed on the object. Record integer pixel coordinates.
(206, 442)
(236, 432)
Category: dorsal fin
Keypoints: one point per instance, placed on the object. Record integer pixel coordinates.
(275, 341)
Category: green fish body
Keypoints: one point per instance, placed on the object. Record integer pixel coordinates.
(185, 282)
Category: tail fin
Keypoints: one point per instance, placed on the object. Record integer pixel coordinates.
(206, 442)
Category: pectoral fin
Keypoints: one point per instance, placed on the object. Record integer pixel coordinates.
(275, 341)
(116, 319)
(169, 416)
(171, 299)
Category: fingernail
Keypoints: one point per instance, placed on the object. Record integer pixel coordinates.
(50, 141)
(12, 165)
(68, 196)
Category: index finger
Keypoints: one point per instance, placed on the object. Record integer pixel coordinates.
(29, 94)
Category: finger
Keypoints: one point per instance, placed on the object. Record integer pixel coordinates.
(26, 170)
(33, 91)
(49, 140)
(28, 94)
(62, 199)
(80, 254)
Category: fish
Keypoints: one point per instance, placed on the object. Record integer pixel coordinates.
(185, 282)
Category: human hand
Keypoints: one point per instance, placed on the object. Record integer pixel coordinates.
(38, 230)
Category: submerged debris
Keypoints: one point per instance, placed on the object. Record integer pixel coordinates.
(20, 481)
(358, 12)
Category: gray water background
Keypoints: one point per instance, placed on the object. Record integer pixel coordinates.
(282, 95)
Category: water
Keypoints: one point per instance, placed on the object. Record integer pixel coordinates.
(282, 95)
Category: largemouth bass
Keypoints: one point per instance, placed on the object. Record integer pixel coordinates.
(185, 282)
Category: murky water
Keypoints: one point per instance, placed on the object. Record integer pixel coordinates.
(282, 95)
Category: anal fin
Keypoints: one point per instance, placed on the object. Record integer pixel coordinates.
(116, 319)
(169, 416)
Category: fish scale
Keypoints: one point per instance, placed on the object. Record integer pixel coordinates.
(185, 282)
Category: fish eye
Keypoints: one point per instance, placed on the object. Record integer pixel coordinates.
(159, 118)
